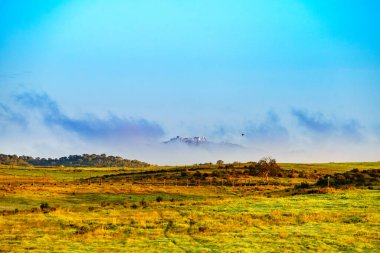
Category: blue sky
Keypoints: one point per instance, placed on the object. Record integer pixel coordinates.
(300, 78)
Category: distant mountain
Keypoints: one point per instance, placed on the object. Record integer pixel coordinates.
(187, 140)
(200, 142)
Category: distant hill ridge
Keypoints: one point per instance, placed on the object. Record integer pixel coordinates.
(188, 140)
(84, 160)
(201, 142)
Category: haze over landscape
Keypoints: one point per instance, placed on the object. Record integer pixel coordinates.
(298, 80)
(189, 126)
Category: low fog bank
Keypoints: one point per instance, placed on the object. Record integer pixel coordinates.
(33, 124)
(162, 154)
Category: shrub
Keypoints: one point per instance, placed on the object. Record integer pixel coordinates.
(303, 185)
(134, 206)
(44, 206)
(104, 204)
(82, 230)
(143, 203)
(159, 199)
(202, 229)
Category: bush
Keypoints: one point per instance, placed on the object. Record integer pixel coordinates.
(134, 206)
(44, 206)
(202, 229)
(303, 185)
(104, 204)
(159, 199)
(143, 203)
(82, 230)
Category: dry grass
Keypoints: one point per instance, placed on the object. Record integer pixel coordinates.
(126, 217)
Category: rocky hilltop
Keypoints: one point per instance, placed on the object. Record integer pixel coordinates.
(188, 140)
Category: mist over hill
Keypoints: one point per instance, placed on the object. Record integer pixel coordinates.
(200, 142)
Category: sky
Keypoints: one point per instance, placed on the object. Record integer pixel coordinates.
(300, 79)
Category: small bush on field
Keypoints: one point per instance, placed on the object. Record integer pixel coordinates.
(191, 222)
(134, 206)
(303, 185)
(82, 230)
(143, 203)
(202, 229)
(46, 208)
(159, 199)
(104, 204)
(44, 205)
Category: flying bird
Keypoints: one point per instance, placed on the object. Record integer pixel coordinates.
(242, 134)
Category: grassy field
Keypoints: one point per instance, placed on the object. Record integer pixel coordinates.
(62, 174)
(330, 168)
(121, 215)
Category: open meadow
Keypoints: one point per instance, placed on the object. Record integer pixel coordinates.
(203, 208)
(189, 126)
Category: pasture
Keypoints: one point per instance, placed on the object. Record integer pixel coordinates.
(164, 209)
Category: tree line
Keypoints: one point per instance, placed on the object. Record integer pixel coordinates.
(85, 160)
